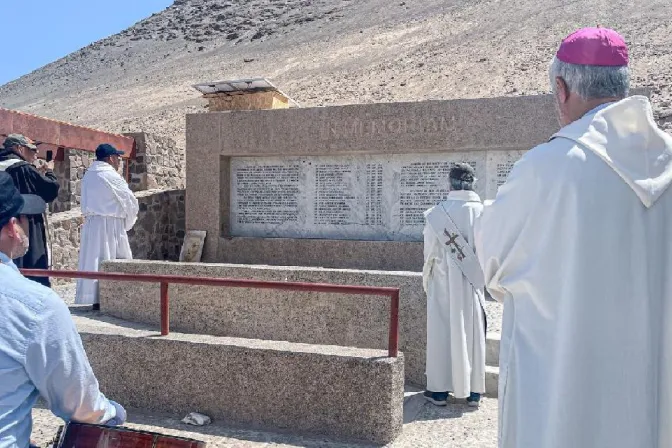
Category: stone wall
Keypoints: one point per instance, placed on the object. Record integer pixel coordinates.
(70, 172)
(159, 232)
(157, 235)
(247, 101)
(158, 163)
(64, 235)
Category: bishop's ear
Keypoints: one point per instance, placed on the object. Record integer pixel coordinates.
(561, 90)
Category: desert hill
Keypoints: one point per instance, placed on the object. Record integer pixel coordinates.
(323, 52)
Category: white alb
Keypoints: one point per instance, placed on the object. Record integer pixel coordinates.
(455, 317)
(110, 209)
(578, 246)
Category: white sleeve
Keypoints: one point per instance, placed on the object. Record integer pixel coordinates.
(125, 197)
(500, 241)
(131, 209)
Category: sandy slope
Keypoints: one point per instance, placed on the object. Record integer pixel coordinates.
(325, 52)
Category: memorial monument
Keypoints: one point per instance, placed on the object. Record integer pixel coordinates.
(345, 186)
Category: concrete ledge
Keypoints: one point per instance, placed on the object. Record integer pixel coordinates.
(339, 392)
(304, 317)
(313, 318)
(338, 254)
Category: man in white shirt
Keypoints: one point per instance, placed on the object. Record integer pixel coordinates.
(453, 281)
(41, 353)
(110, 209)
(578, 246)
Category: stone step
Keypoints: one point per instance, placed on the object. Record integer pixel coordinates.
(492, 349)
(342, 393)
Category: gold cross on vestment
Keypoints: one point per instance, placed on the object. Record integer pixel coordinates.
(452, 244)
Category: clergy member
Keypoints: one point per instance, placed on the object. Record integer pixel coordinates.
(578, 246)
(453, 281)
(110, 209)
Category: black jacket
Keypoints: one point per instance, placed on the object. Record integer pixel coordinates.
(30, 181)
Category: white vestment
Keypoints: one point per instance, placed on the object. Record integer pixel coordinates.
(455, 317)
(110, 209)
(578, 246)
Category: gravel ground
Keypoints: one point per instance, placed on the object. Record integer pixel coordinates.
(66, 290)
(455, 426)
(494, 312)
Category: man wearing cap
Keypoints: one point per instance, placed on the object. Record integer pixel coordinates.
(41, 353)
(453, 281)
(17, 157)
(110, 209)
(578, 246)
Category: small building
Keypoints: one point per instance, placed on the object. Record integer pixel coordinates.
(243, 94)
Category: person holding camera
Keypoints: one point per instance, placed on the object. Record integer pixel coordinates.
(18, 158)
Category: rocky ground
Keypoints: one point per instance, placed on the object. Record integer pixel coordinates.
(323, 52)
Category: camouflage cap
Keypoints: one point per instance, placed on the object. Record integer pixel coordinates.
(19, 140)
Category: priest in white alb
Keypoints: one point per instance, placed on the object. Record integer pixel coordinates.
(578, 246)
(453, 281)
(110, 209)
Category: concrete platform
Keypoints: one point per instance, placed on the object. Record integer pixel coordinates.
(303, 317)
(339, 392)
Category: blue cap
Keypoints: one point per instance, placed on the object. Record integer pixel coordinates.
(107, 150)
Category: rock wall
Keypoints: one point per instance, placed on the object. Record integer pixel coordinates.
(64, 235)
(70, 172)
(159, 232)
(158, 163)
(157, 235)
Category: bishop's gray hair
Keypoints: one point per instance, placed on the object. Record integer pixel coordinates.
(591, 82)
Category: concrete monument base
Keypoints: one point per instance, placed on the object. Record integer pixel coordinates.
(338, 392)
(301, 317)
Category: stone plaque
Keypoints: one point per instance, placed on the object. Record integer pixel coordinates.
(192, 248)
(498, 167)
(365, 197)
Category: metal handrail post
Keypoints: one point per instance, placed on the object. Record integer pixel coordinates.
(165, 310)
(393, 342)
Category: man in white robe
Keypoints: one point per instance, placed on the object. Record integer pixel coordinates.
(453, 281)
(578, 246)
(110, 209)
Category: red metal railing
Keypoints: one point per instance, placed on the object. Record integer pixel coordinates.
(165, 280)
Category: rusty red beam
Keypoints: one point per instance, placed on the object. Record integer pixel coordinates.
(165, 280)
(60, 134)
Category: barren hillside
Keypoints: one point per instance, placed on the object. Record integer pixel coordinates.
(323, 52)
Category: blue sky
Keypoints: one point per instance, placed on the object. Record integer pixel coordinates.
(36, 32)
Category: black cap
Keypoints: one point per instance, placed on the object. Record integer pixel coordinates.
(107, 150)
(13, 203)
(463, 172)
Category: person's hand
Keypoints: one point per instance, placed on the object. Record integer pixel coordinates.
(43, 166)
(120, 418)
